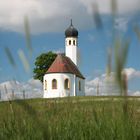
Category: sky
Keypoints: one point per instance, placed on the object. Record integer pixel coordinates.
(48, 21)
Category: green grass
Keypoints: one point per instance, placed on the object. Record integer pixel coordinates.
(76, 118)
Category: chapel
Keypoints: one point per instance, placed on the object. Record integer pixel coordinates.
(64, 78)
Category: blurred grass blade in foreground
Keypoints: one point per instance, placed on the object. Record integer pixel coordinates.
(121, 52)
(137, 31)
(24, 60)
(10, 56)
(125, 50)
(114, 7)
(96, 16)
(27, 34)
(109, 69)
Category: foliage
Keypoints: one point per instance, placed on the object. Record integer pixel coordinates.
(42, 64)
(74, 118)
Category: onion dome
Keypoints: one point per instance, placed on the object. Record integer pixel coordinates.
(71, 31)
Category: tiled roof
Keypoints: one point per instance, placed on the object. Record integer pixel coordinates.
(63, 64)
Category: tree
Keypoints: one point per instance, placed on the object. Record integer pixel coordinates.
(42, 64)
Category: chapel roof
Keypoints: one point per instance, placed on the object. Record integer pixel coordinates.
(63, 64)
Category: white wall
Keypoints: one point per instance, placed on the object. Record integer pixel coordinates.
(72, 50)
(82, 91)
(60, 91)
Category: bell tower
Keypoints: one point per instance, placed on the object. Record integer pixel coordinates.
(71, 43)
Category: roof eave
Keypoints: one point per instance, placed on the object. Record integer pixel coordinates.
(68, 73)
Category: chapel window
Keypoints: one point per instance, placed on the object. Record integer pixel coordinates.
(73, 42)
(54, 84)
(79, 86)
(67, 84)
(69, 42)
(45, 84)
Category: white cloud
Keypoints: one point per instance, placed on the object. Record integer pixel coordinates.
(121, 23)
(52, 16)
(103, 84)
(136, 93)
(132, 73)
(43, 15)
(60, 50)
(32, 89)
(107, 85)
(124, 6)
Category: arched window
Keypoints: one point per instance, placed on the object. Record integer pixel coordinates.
(73, 42)
(45, 84)
(79, 86)
(54, 84)
(69, 42)
(67, 84)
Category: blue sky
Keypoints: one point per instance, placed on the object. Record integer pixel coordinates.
(47, 34)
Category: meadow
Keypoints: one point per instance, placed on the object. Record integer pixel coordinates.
(72, 118)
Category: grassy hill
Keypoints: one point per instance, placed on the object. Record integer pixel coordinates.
(75, 118)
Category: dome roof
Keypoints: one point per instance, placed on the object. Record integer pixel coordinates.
(71, 31)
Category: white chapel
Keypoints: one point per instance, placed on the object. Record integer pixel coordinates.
(63, 78)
